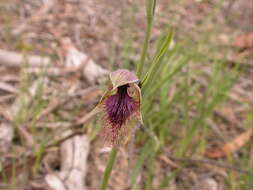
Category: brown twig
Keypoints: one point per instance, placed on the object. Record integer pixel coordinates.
(60, 141)
(211, 162)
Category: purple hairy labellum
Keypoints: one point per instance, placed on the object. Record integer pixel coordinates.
(120, 104)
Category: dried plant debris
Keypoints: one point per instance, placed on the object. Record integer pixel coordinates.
(6, 137)
(75, 59)
(74, 153)
(13, 59)
(230, 147)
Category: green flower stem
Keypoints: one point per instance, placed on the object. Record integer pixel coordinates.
(108, 169)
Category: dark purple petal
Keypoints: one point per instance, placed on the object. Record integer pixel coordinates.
(119, 108)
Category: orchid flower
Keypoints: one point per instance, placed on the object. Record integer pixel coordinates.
(120, 105)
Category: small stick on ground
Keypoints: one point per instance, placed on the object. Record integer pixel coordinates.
(211, 162)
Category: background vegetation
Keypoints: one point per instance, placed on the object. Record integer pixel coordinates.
(197, 105)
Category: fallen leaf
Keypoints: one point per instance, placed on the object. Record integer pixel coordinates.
(230, 147)
(238, 142)
(244, 41)
(215, 153)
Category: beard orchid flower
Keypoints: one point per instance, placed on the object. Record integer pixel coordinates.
(120, 105)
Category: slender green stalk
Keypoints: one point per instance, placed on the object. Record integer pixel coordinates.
(157, 58)
(150, 6)
(108, 169)
(144, 51)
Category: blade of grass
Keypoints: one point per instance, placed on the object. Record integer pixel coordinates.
(151, 170)
(157, 58)
(13, 177)
(150, 10)
(39, 154)
(145, 153)
(168, 77)
(167, 179)
(217, 90)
